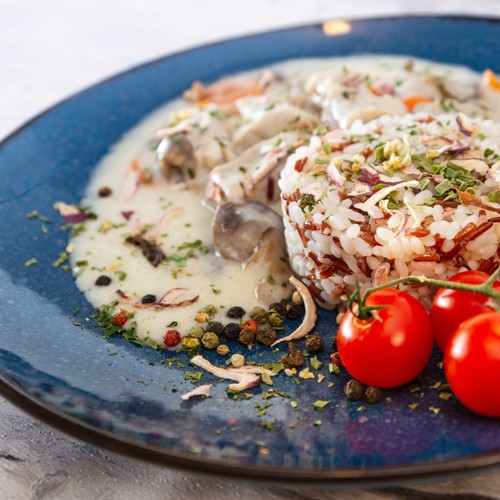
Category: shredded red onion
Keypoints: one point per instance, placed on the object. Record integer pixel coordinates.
(161, 304)
(75, 218)
(127, 214)
(461, 126)
(458, 150)
(402, 226)
(370, 178)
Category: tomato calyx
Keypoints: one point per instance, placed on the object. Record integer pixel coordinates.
(365, 312)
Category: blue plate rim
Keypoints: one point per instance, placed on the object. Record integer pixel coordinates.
(338, 478)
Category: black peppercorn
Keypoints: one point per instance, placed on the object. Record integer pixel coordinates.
(266, 336)
(293, 311)
(216, 327)
(148, 299)
(354, 390)
(278, 307)
(104, 192)
(247, 336)
(235, 312)
(294, 358)
(231, 331)
(372, 395)
(314, 343)
(103, 280)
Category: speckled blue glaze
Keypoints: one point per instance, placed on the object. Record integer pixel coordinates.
(51, 355)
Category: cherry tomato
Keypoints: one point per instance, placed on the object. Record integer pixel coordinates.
(391, 349)
(451, 307)
(472, 363)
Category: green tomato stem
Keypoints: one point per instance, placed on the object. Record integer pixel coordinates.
(486, 288)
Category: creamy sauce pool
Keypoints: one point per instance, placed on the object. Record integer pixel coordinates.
(180, 223)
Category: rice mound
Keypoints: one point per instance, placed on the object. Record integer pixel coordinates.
(401, 195)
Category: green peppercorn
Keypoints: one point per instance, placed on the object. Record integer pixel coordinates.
(293, 311)
(216, 327)
(278, 307)
(191, 345)
(196, 332)
(231, 331)
(247, 336)
(372, 395)
(235, 312)
(210, 340)
(314, 343)
(275, 319)
(266, 336)
(294, 358)
(354, 389)
(259, 315)
(210, 310)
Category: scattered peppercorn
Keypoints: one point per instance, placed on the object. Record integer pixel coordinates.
(294, 358)
(210, 310)
(259, 315)
(372, 395)
(314, 343)
(190, 345)
(237, 360)
(247, 336)
(251, 325)
(148, 299)
(196, 332)
(336, 360)
(275, 319)
(222, 350)
(210, 340)
(297, 298)
(278, 307)
(103, 280)
(172, 338)
(216, 327)
(293, 311)
(120, 318)
(202, 317)
(231, 331)
(266, 336)
(104, 192)
(354, 390)
(235, 312)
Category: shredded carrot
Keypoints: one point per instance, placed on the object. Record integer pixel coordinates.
(134, 165)
(223, 91)
(413, 100)
(491, 79)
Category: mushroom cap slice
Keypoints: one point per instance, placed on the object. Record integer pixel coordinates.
(238, 227)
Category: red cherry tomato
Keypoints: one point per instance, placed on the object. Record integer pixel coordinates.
(451, 307)
(472, 363)
(391, 349)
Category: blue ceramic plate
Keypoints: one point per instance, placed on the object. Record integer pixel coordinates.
(56, 365)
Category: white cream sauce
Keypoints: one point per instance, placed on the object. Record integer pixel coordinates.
(179, 217)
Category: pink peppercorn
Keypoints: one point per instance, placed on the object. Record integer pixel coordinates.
(172, 338)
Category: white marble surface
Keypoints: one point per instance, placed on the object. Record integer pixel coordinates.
(50, 49)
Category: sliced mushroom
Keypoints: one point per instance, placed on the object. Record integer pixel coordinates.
(271, 256)
(238, 227)
(175, 158)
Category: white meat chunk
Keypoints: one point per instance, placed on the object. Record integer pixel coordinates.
(254, 174)
(264, 119)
